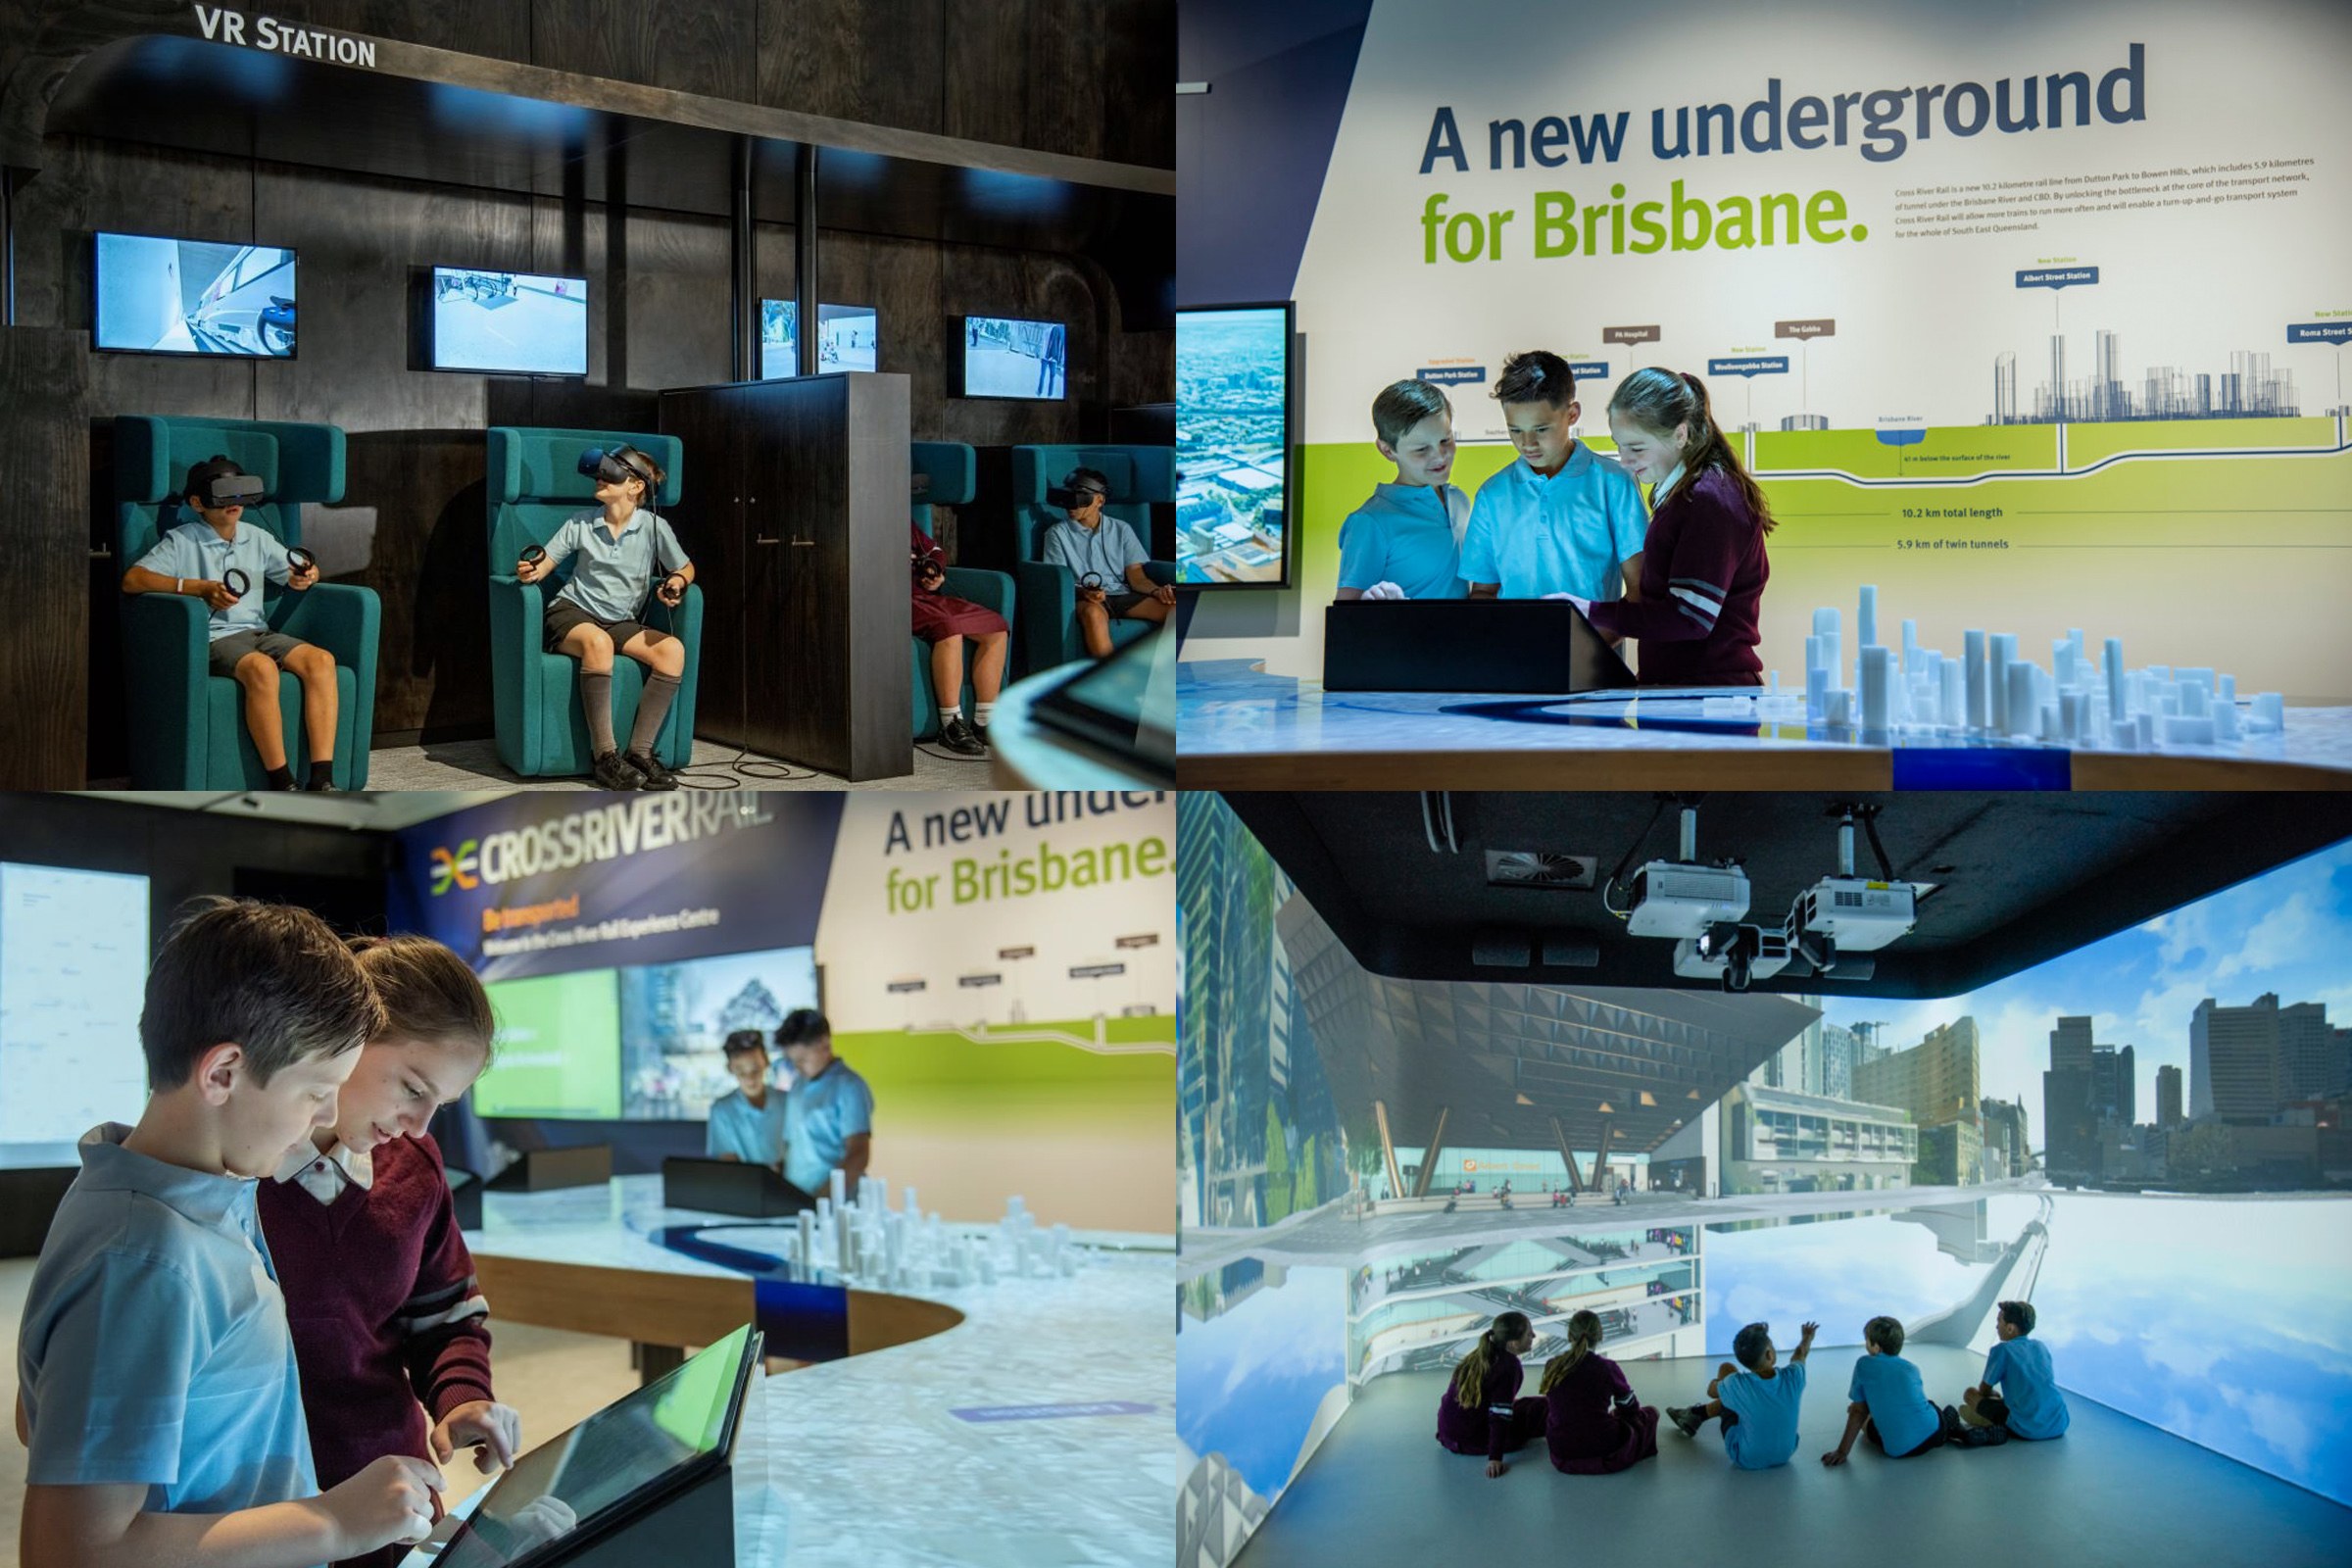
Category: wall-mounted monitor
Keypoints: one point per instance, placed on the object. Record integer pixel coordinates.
(675, 1019)
(186, 296)
(73, 975)
(1004, 357)
(507, 324)
(558, 1049)
(1233, 446)
(845, 338)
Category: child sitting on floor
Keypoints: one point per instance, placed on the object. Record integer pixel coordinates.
(2029, 1405)
(1888, 1405)
(1482, 1412)
(1592, 1423)
(1759, 1406)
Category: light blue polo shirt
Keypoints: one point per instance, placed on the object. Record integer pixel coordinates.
(753, 1135)
(1571, 533)
(1407, 534)
(1765, 1435)
(1890, 1387)
(195, 550)
(154, 1348)
(614, 573)
(1108, 551)
(2020, 1369)
(821, 1115)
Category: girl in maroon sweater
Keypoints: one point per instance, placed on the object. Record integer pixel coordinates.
(1702, 562)
(1482, 1412)
(390, 1332)
(1592, 1423)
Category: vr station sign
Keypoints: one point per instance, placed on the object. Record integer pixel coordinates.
(223, 25)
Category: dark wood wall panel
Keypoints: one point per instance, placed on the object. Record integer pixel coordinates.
(44, 467)
(699, 46)
(1139, 76)
(805, 46)
(497, 30)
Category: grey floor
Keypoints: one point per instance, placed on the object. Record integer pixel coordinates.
(2113, 1491)
(474, 765)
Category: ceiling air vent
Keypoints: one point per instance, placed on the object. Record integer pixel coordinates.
(1528, 868)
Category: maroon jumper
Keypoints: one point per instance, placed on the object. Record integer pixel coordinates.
(1593, 1426)
(1704, 570)
(1499, 1422)
(388, 1322)
(941, 614)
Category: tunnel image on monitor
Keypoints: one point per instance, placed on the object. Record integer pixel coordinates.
(511, 322)
(179, 296)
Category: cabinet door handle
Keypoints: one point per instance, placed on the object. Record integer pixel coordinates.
(764, 539)
(803, 544)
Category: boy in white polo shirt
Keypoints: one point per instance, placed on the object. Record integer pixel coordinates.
(160, 1400)
(1563, 519)
(217, 559)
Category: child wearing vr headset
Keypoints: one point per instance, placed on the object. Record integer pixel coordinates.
(1107, 559)
(596, 611)
(218, 559)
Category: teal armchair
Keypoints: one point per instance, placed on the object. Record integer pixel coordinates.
(1138, 476)
(187, 724)
(534, 485)
(954, 474)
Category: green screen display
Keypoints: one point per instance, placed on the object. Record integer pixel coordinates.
(558, 1049)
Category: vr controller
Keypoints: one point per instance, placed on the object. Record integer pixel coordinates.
(532, 554)
(236, 581)
(677, 577)
(300, 559)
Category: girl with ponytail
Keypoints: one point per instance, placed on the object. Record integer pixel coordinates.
(1482, 1412)
(1703, 567)
(1593, 1424)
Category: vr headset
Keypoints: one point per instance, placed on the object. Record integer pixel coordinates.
(1073, 490)
(614, 466)
(231, 490)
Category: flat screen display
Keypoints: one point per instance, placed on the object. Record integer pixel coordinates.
(73, 976)
(558, 1049)
(1008, 357)
(516, 324)
(845, 338)
(675, 1019)
(630, 1452)
(1233, 442)
(186, 296)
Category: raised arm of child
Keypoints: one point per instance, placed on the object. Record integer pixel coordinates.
(1804, 1342)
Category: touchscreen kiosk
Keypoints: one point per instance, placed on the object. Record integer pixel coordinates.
(729, 1186)
(643, 1480)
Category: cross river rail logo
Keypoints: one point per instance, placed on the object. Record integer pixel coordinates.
(587, 837)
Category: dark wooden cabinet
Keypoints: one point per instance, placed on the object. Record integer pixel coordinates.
(800, 492)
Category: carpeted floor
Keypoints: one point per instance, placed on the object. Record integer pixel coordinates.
(2113, 1491)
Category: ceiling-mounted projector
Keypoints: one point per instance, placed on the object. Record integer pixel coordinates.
(1858, 916)
(1673, 899)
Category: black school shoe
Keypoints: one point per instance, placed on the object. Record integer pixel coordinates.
(958, 736)
(650, 768)
(613, 772)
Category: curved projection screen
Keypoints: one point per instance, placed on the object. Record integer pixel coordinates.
(73, 975)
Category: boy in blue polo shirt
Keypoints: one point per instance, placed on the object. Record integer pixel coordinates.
(747, 1122)
(1406, 541)
(829, 1115)
(1887, 1403)
(160, 1401)
(196, 559)
(1563, 519)
(1759, 1406)
(597, 613)
(2028, 1403)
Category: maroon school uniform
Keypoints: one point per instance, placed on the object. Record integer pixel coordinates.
(388, 1322)
(1704, 570)
(1499, 1422)
(938, 615)
(1589, 1430)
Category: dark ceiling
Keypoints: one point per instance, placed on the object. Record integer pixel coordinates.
(2017, 878)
